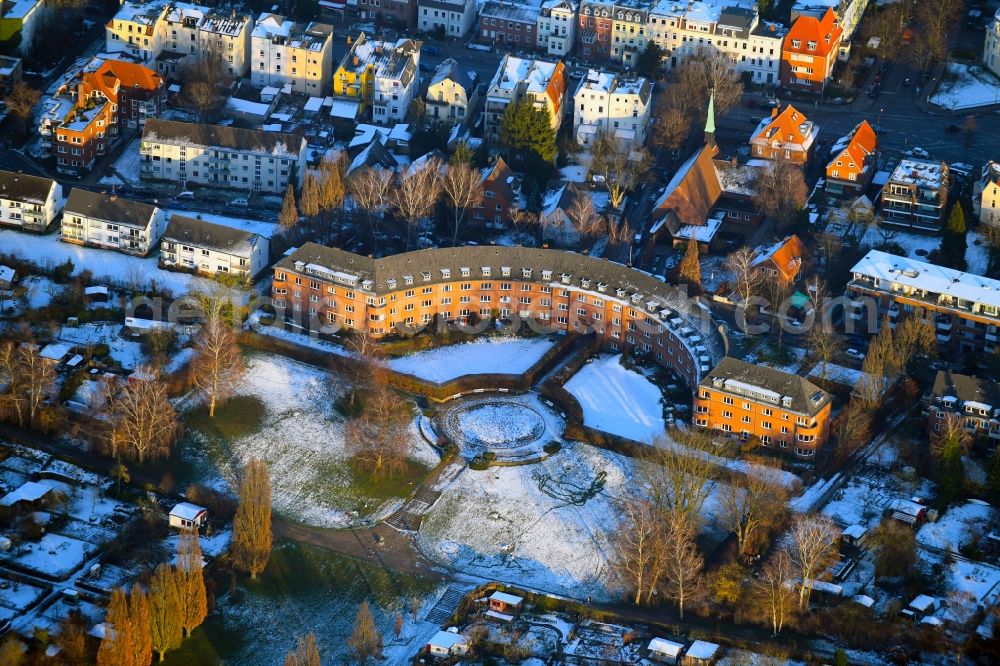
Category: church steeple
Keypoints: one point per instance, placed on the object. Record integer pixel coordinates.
(710, 120)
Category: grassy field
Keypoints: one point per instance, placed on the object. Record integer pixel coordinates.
(303, 590)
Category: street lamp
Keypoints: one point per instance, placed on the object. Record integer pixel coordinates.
(878, 121)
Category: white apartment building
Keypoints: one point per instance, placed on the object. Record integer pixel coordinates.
(29, 202)
(986, 197)
(110, 222)
(212, 249)
(732, 27)
(447, 98)
(991, 48)
(456, 17)
(613, 104)
(169, 34)
(395, 82)
(543, 82)
(555, 27)
(282, 51)
(224, 157)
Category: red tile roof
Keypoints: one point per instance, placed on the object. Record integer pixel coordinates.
(862, 144)
(824, 32)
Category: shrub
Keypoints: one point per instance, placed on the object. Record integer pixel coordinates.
(63, 271)
(552, 447)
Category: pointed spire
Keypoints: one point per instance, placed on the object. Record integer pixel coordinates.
(710, 119)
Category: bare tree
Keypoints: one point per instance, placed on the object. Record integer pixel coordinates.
(583, 215)
(680, 473)
(851, 429)
(203, 84)
(747, 276)
(773, 588)
(416, 194)
(29, 381)
(814, 540)
(463, 188)
(683, 106)
(935, 23)
(638, 542)
(674, 118)
(251, 546)
(825, 344)
(378, 438)
(752, 504)
(144, 421)
(830, 246)
(370, 189)
(217, 362)
(620, 168)
(682, 564)
(881, 27)
(780, 192)
(21, 102)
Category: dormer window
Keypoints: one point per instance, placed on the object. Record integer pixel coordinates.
(546, 275)
(585, 283)
(565, 278)
(426, 275)
(812, 46)
(602, 287)
(407, 279)
(620, 293)
(505, 271)
(796, 43)
(391, 283)
(486, 271)
(466, 271)
(526, 273)
(445, 273)
(367, 285)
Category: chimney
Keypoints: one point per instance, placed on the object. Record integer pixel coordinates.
(774, 111)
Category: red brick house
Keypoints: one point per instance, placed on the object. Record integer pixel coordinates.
(501, 195)
(783, 259)
(594, 27)
(785, 135)
(389, 12)
(508, 25)
(853, 162)
(809, 52)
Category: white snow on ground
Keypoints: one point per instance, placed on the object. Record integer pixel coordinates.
(127, 352)
(574, 174)
(301, 439)
(805, 502)
(55, 555)
(107, 266)
(836, 373)
(916, 246)
(966, 87)
(956, 526)
(504, 355)
(982, 581)
(546, 526)
(977, 256)
(300, 339)
(617, 400)
(860, 501)
(39, 291)
(265, 229)
(128, 163)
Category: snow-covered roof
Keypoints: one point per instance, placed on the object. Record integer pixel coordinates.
(31, 491)
(923, 602)
(702, 233)
(854, 531)
(665, 647)
(864, 600)
(446, 640)
(55, 351)
(922, 173)
(702, 650)
(6, 274)
(503, 597)
(343, 108)
(534, 74)
(890, 269)
(187, 511)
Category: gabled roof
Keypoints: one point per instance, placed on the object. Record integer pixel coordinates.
(859, 144)
(202, 234)
(500, 176)
(691, 193)
(234, 138)
(786, 255)
(790, 129)
(110, 208)
(129, 75)
(24, 188)
(806, 397)
(966, 388)
(824, 32)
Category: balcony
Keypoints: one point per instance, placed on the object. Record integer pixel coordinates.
(944, 337)
(944, 325)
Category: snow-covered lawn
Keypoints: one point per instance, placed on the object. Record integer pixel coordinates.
(265, 229)
(17, 596)
(127, 163)
(54, 556)
(107, 266)
(982, 581)
(956, 526)
(504, 355)
(301, 438)
(39, 291)
(513, 427)
(617, 400)
(977, 256)
(576, 173)
(546, 525)
(966, 87)
(837, 373)
(127, 352)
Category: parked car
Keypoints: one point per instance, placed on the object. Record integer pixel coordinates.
(917, 151)
(239, 201)
(855, 354)
(186, 194)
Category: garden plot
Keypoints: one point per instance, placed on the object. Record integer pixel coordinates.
(54, 556)
(504, 355)
(301, 438)
(128, 353)
(16, 597)
(957, 526)
(864, 498)
(617, 400)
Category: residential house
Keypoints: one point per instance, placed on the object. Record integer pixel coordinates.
(167, 35)
(964, 308)
(501, 196)
(916, 195)
(991, 47)
(986, 194)
(629, 31)
(595, 24)
(286, 52)
(542, 82)
(454, 18)
(111, 222)
(810, 51)
(379, 74)
(446, 644)
(225, 157)
(391, 13)
(29, 495)
(559, 219)
(785, 135)
(212, 249)
(11, 73)
(782, 260)
(687, 29)
(782, 409)
(19, 20)
(853, 162)
(555, 27)
(93, 108)
(508, 25)
(450, 93)
(185, 515)
(975, 401)
(617, 105)
(28, 202)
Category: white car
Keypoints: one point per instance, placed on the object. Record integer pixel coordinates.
(919, 152)
(855, 354)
